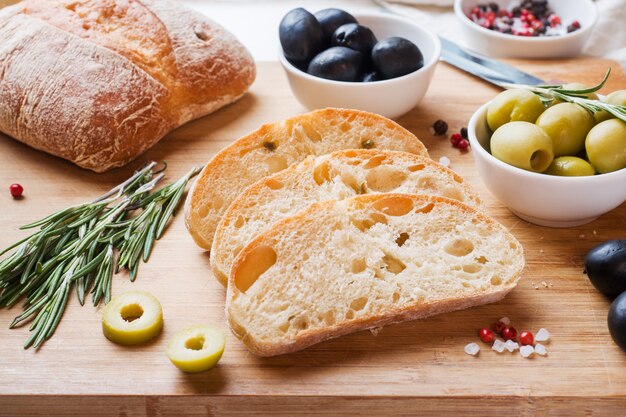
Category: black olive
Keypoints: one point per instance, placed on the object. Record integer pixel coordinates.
(617, 320)
(394, 57)
(300, 36)
(331, 19)
(606, 267)
(337, 63)
(354, 36)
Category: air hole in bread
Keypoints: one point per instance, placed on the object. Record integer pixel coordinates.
(345, 127)
(402, 239)
(426, 183)
(321, 173)
(358, 303)
(512, 245)
(350, 154)
(270, 146)
(396, 297)
(472, 268)
(393, 264)
(351, 181)
(496, 280)
(273, 184)
(425, 209)
(379, 133)
(481, 260)
(305, 257)
(358, 265)
(418, 167)
(284, 327)
(349, 314)
(366, 224)
(253, 265)
(458, 178)
(329, 318)
(459, 247)
(217, 202)
(200, 33)
(394, 206)
(302, 323)
(354, 162)
(453, 193)
(276, 163)
(311, 133)
(239, 221)
(374, 161)
(385, 178)
(367, 144)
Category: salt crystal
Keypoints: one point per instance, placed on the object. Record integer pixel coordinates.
(545, 284)
(511, 345)
(542, 335)
(445, 161)
(505, 320)
(498, 346)
(526, 351)
(472, 349)
(540, 349)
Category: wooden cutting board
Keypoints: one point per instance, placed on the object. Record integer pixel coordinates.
(415, 368)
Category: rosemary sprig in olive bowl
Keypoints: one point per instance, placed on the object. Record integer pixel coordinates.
(551, 93)
(83, 246)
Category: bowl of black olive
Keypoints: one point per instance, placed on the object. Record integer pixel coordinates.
(374, 62)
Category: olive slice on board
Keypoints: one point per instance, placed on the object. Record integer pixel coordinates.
(196, 348)
(132, 318)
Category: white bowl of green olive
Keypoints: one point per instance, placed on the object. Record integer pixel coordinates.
(556, 166)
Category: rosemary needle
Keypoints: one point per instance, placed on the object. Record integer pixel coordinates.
(77, 247)
(550, 93)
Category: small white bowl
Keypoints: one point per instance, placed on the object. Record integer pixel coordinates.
(389, 98)
(542, 199)
(499, 45)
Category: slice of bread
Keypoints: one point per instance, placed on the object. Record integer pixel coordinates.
(338, 267)
(274, 147)
(337, 176)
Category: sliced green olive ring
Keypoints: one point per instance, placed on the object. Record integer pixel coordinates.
(196, 348)
(132, 318)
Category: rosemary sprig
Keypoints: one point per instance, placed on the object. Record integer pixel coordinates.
(550, 93)
(76, 247)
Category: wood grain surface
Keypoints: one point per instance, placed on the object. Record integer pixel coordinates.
(411, 369)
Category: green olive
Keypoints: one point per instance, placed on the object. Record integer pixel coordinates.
(617, 98)
(606, 146)
(524, 145)
(570, 166)
(513, 105)
(567, 124)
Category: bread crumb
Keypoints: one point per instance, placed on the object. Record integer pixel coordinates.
(375, 330)
(594, 232)
(581, 236)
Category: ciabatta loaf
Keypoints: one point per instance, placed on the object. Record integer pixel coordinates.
(98, 82)
(273, 147)
(336, 176)
(368, 261)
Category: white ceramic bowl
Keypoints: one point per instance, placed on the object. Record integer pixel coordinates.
(542, 199)
(390, 98)
(499, 45)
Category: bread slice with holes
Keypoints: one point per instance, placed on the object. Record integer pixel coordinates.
(274, 147)
(338, 267)
(336, 176)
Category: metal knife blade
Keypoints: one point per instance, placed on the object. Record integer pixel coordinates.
(488, 69)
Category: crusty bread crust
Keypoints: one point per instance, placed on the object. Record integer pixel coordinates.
(297, 184)
(303, 223)
(98, 82)
(273, 147)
